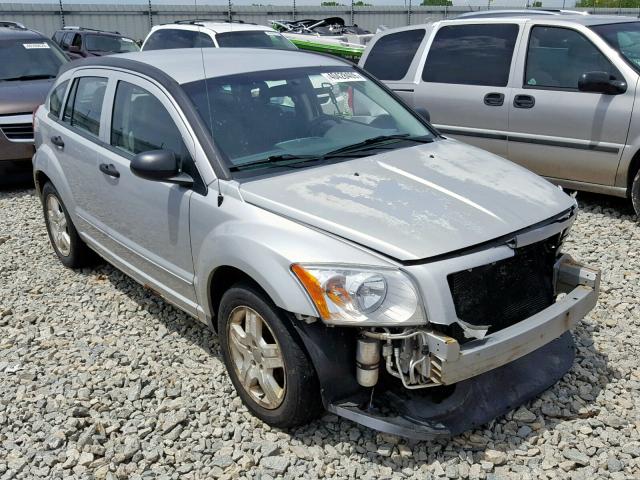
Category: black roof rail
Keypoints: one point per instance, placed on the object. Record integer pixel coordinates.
(85, 29)
(10, 24)
(197, 21)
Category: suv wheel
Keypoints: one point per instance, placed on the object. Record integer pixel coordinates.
(265, 360)
(66, 242)
(635, 194)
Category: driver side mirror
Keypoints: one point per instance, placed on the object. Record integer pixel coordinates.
(159, 166)
(601, 82)
(74, 49)
(424, 113)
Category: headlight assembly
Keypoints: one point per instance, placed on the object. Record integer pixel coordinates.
(361, 296)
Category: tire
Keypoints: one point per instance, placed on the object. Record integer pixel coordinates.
(635, 194)
(294, 399)
(72, 251)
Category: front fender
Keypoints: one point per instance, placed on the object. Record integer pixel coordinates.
(263, 245)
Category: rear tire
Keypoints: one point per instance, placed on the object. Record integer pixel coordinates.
(265, 359)
(69, 247)
(635, 194)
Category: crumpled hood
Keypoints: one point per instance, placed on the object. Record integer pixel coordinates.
(413, 203)
(23, 97)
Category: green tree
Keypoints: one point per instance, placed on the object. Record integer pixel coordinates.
(360, 3)
(536, 5)
(331, 4)
(437, 3)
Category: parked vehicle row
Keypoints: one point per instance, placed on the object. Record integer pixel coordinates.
(80, 42)
(348, 255)
(29, 62)
(554, 93)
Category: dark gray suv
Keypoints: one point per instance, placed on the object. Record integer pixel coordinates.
(28, 64)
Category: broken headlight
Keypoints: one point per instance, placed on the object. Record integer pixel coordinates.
(361, 296)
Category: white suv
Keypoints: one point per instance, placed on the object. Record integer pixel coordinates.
(218, 33)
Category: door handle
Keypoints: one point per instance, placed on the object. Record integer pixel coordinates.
(494, 99)
(109, 169)
(524, 101)
(57, 141)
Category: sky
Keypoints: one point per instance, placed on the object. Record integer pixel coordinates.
(475, 3)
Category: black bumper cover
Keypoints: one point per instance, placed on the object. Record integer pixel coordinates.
(474, 402)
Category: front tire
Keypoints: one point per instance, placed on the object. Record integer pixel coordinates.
(635, 194)
(69, 247)
(265, 359)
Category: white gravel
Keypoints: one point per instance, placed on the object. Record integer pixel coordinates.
(102, 379)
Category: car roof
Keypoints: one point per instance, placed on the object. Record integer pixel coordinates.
(216, 27)
(186, 65)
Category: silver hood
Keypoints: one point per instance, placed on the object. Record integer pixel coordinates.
(413, 203)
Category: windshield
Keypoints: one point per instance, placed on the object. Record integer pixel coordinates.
(25, 59)
(107, 43)
(624, 37)
(302, 113)
(254, 39)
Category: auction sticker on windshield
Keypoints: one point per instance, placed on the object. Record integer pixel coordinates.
(30, 46)
(338, 77)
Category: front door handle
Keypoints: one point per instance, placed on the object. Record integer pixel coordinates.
(494, 99)
(57, 141)
(524, 101)
(109, 169)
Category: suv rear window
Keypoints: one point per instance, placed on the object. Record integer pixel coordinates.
(392, 54)
(254, 39)
(474, 54)
(170, 38)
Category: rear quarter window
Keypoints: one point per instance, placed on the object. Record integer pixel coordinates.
(392, 54)
(56, 98)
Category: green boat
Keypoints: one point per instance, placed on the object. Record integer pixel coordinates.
(329, 35)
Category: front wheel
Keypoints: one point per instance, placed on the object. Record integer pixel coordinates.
(635, 194)
(265, 360)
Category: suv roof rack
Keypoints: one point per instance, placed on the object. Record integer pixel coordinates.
(10, 24)
(73, 27)
(197, 21)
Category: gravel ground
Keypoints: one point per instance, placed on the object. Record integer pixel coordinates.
(102, 379)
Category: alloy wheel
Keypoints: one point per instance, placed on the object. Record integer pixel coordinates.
(257, 357)
(58, 225)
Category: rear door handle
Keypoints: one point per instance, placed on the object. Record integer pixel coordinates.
(109, 169)
(494, 99)
(57, 141)
(524, 101)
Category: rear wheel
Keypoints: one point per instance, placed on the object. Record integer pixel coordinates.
(635, 194)
(66, 242)
(265, 360)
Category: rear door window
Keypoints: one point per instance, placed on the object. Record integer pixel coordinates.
(391, 55)
(476, 54)
(84, 105)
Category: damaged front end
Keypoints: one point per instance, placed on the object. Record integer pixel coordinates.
(503, 338)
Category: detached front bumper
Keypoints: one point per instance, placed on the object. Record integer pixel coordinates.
(486, 378)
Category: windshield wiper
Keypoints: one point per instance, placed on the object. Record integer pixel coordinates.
(28, 77)
(375, 141)
(294, 161)
(290, 161)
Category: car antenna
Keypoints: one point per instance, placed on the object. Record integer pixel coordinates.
(220, 197)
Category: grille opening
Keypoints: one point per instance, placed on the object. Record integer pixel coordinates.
(506, 292)
(18, 131)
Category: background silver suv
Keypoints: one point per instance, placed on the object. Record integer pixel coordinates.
(272, 203)
(554, 93)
